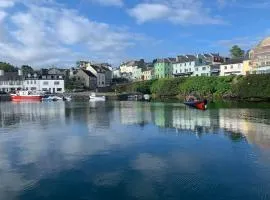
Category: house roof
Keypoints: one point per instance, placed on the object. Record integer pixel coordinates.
(88, 73)
(234, 61)
(10, 76)
(185, 58)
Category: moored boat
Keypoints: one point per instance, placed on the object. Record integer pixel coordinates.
(51, 98)
(201, 105)
(93, 97)
(27, 96)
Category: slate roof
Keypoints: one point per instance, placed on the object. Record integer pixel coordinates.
(88, 73)
(233, 61)
(10, 76)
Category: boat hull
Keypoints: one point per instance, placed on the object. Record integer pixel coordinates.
(201, 105)
(97, 98)
(26, 98)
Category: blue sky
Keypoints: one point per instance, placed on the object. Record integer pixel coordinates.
(59, 32)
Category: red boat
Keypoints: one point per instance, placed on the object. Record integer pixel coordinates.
(192, 101)
(27, 96)
(201, 105)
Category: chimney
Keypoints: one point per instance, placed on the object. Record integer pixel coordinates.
(20, 73)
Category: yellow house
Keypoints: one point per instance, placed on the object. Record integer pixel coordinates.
(247, 67)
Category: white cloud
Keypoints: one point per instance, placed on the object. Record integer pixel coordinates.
(43, 34)
(6, 3)
(175, 11)
(110, 2)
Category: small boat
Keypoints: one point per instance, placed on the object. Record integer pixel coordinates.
(27, 96)
(195, 103)
(67, 98)
(51, 98)
(93, 97)
(146, 97)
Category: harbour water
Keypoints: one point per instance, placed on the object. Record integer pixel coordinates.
(134, 150)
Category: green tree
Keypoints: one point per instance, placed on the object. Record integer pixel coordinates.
(7, 67)
(26, 69)
(237, 52)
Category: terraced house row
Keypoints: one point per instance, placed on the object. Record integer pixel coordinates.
(256, 61)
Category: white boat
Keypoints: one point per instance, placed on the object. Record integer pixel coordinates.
(67, 98)
(146, 97)
(51, 98)
(93, 97)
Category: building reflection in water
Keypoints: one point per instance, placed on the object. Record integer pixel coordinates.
(254, 124)
(24, 112)
(134, 112)
(238, 124)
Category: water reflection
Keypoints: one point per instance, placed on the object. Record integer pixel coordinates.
(99, 143)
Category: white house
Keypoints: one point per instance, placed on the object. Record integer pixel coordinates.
(10, 81)
(207, 70)
(232, 67)
(45, 82)
(184, 65)
(116, 73)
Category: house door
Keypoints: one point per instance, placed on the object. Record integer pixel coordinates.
(53, 90)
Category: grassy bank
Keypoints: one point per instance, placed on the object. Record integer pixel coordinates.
(252, 87)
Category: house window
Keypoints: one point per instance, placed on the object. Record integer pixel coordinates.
(231, 66)
(59, 89)
(27, 82)
(196, 69)
(44, 89)
(33, 88)
(225, 67)
(31, 82)
(35, 82)
(45, 83)
(204, 68)
(56, 83)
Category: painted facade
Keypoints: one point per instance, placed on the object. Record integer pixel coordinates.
(10, 81)
(46, 82)
(163, 68)
(147, 74)
(207, 70)
(260, 55)
(247, 67)
(232, 67)
(137, 74)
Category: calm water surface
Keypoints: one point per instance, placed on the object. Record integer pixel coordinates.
(133, 150)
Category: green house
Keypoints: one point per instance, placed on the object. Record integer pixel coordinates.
(164, 68)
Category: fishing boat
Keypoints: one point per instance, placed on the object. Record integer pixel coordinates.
(27, 96)
(199, 104)
(93, 97)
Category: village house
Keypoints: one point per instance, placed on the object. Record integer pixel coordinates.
(185, 65)
(232, 67)
(260, 57)
(130, 66)
(148, 74)
(45, 82)
(207, 70)
(164, 67)
(85, 78)
(10, 81)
